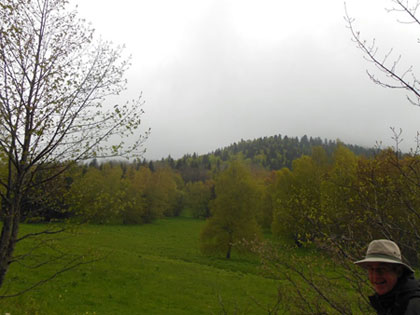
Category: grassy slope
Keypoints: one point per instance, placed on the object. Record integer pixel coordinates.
(149, 269)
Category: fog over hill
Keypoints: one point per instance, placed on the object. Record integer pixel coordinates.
(213, 72)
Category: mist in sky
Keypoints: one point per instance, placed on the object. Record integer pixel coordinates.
(215, 72)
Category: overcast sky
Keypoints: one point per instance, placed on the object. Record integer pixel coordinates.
(213, 72)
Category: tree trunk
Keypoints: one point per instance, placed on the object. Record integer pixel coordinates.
(230, 233)
(228, 251)
(8, 240)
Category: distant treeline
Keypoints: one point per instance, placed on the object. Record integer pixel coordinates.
(140, 191)
(270, 153)
(300, 189)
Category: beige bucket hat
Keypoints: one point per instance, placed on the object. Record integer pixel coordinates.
(383, 251)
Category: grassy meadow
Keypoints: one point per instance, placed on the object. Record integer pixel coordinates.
(148, 269)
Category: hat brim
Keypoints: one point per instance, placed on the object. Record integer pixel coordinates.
(383, 260)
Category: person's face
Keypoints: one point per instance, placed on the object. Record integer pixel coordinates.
(382, 277)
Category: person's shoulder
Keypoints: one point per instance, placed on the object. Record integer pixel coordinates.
(413, 306)
(412, 296)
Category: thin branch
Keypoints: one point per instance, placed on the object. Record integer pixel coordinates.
(37, 284)
(46, 232)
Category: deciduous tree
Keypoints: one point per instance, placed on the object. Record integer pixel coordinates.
(98, 195)
(233, 211)
(54, 79)
(197, 198)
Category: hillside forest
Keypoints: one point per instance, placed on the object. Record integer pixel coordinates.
(138, 192)
(301, 189)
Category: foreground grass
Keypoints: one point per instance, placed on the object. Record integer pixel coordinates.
(148, 269)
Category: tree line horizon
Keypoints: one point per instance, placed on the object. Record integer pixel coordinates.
(167, 186)
(298, 189)
(268, 145)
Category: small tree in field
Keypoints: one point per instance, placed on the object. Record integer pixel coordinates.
(233, 211)
(54, 79)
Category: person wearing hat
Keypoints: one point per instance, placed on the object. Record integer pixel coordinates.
(396, 289)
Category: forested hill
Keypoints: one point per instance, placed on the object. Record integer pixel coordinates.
(276, 152)
(272, 153)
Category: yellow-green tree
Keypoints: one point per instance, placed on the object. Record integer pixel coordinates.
(339, 198)
(297, 200)
(54, 80)
(197, 198)
(284, 213)
(162, 193)
(233, 211)
(97, 195)
(134, 183)
(268, 200)
(389, 190)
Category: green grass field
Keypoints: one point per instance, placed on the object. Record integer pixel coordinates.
(148, 269)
